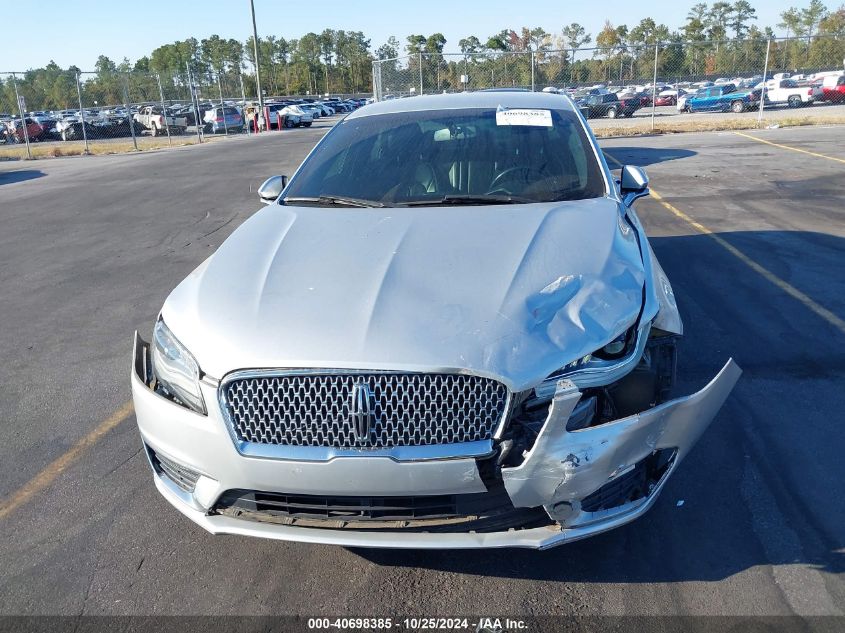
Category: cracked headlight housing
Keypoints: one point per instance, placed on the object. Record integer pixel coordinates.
(613, 353)
(175, 370)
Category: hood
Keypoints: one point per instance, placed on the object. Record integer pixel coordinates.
(512, 292)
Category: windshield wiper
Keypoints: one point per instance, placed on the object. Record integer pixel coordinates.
(340, 201)
(468, 199)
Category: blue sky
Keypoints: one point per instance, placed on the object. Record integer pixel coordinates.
(77, 31)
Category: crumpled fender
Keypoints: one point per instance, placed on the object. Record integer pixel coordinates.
(564, 466)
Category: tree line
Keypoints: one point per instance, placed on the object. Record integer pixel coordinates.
(718, 37)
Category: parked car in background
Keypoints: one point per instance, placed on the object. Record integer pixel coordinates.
(724, 98)
(607, 105)
(15, 130)
(833, 88)
(669, 97)
(314, 110)
(154, 119)
(681, 102)
(325, 109)
(186, 111)
(277, 120)
(790, 92)
(219, 119)
(295, 116)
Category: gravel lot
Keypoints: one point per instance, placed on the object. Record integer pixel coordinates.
(90, 247)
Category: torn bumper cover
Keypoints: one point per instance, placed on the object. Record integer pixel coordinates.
(564, 468)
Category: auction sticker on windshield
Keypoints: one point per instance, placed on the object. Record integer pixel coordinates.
(522, 116)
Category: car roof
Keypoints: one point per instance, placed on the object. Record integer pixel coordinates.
(464, 100)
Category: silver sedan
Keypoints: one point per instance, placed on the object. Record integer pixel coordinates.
(446, 330)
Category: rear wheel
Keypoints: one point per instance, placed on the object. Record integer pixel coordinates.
(154, 129)
(611, 113)
(794, 101)
(306, 124)
(738, 107)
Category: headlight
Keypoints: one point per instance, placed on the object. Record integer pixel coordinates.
(176, 372)
(618, 353)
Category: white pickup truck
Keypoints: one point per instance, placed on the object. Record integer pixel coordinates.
(788, 91)
(152, 118)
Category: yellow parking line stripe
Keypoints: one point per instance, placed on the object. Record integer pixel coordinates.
(794, 149)
(60, 464)
(764, 272)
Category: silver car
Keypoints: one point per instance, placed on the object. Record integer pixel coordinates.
(447, 330)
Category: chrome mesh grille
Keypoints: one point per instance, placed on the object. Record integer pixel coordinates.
(410, 409)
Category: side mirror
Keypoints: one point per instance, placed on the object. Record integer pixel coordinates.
(272, 188)
(633, 185)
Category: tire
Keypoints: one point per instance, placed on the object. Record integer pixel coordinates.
(737, 107)
(306, 125)
(611, 113)
(154, 130)
(794, 101)
(289, 123)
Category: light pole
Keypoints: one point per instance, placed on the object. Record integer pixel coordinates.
(257, 64)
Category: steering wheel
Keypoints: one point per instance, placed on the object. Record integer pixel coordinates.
(508, 174)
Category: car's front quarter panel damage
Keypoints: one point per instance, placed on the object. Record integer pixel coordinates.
(563, 467)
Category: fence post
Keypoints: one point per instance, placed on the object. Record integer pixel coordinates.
(195, 104)
(765, 80)
(243, 100)
(223, 107)
(23, 118)
(654, 85)
(129, 112)
(376, 80)
(532, 71)
(164, 110)
(421, 76)
(82, 113)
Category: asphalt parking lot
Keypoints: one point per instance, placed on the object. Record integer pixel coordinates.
(752, 235)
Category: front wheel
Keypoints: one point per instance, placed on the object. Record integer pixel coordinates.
(794, 101)
(738, 107)
(611, 113)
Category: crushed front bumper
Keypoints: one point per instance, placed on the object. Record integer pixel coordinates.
(562, 469)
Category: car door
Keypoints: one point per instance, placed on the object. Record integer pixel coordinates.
(702, 100)
(714, 99)
(593, 102)
(610, 101)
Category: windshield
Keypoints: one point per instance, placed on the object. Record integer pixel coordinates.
(451, 156)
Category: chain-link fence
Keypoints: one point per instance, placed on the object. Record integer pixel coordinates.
(67, 110)
(57, 112)
(675, 71)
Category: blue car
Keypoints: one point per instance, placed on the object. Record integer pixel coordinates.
(724, 98)
(214, 120)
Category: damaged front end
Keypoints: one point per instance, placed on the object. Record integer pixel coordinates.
(595, 456)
